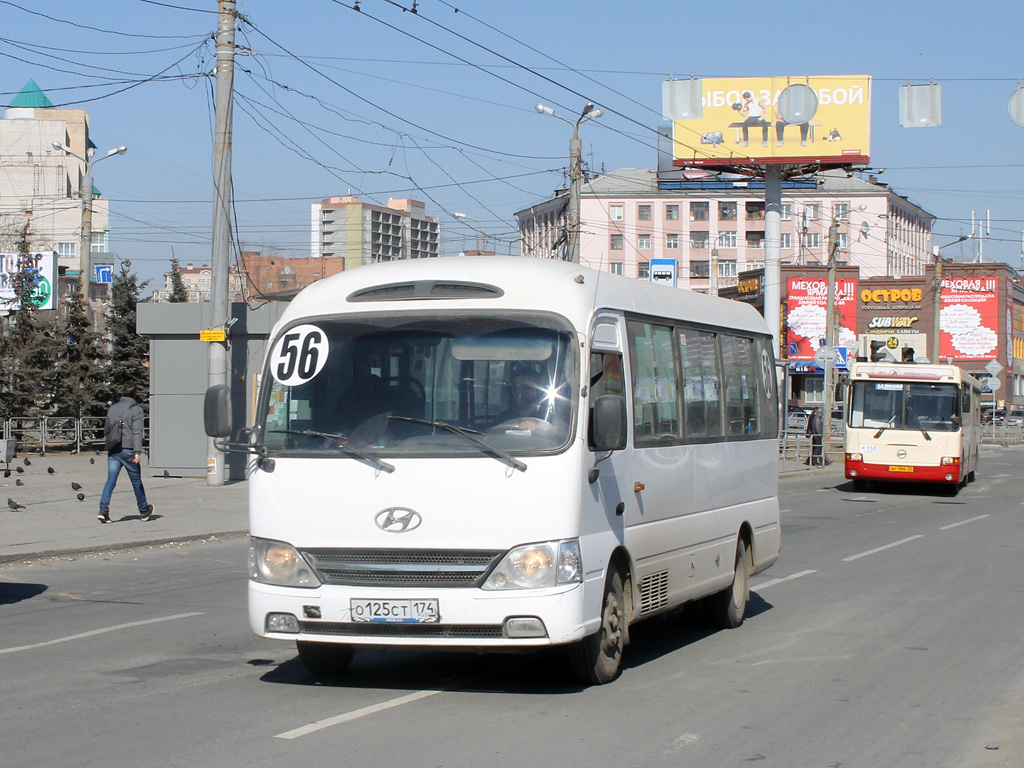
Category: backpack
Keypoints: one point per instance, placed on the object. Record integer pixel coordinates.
(112, 435)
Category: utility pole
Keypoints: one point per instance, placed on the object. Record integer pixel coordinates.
(218, 349)
(830, 320)
(713, 274)
(773, 254)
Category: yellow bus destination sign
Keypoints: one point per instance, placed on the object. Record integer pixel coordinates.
(220, 335)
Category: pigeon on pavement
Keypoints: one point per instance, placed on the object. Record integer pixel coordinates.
(14, 505)
(75, 486)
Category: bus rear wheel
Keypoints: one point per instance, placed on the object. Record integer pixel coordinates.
(597, 658)
(728, 608)
(325, 659)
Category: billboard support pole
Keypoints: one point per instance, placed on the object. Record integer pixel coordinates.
(773, 245)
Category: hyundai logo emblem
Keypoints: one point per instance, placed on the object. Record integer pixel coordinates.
(397, 519)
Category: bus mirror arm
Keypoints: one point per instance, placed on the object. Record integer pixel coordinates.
(593, 473)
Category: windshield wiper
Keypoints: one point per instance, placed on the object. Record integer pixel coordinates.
(468, 434)
(343, 447)
(919, 424)
(885, 426)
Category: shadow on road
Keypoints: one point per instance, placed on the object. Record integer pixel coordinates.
(11, 593)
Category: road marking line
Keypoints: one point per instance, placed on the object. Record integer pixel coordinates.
(355, 714)
(773, 582)
(963, 522)
(98, 632)
(851, 558)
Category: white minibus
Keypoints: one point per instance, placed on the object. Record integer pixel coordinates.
(912, 422)
(501, 453)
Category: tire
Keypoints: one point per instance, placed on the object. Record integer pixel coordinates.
(597, 658)
(727, 609)
(325, 659)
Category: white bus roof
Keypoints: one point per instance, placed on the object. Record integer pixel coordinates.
(510, 282)
(926, 372)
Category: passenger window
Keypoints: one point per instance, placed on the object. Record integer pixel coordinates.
(742, 372)
(698, 354)
(655, 398)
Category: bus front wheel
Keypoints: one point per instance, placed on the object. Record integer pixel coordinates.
(597, 658)
(325, 659)
(728, 608)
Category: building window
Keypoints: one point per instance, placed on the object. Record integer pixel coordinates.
(843, 241)
(643, 269)
(812, 212)
(786, 211)
(727, 239)
(672, 212)
(698, 211)
(66, 250)
(643, 212)
(643, 242)
(616, 267)
(616, 243)
(755, 240)
(787, 240)
(672, 242)
(99, 242)
(727, 268)
(700, 269)
(727, 211)
(841, 212)
(699, 240)
(813, 241)
(754, 211)
(615, 211)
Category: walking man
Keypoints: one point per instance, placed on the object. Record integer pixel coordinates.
(123, 435)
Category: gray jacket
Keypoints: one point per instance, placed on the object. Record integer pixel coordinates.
(133, 432)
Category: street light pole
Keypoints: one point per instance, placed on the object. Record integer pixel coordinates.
(480, 239)
(937, 294)
(590, 112)
(85, 241)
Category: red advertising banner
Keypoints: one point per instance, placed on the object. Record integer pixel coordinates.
(969, 318)
(807, 310)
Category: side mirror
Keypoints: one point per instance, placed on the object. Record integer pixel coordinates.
(609, 423)
(217, 411)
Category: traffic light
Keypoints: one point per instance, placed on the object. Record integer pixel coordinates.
(878, 351)
(908, 354)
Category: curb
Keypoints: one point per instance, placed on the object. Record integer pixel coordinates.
(120, 547)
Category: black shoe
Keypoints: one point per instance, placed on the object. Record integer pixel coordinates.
(103, 516)
(145, 515)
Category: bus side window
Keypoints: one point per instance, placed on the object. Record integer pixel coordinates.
(653, 363)
(698, 354)
(605, 379)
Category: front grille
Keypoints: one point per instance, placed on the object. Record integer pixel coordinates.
(431, 568)
(383, 629)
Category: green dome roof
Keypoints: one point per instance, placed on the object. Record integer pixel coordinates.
(31, 96)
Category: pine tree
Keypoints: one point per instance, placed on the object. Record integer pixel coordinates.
(179, 294)
(129, 352)
(80, 363)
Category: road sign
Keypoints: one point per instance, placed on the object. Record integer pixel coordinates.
(663, 271)
(842, 359)
(992, 385)
(994, 367)
(104, 273)
(826, 356)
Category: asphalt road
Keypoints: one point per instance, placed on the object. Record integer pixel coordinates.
(888, 634)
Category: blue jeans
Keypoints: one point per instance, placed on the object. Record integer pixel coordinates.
(126, 459)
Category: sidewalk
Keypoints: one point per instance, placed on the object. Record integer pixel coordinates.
(55, 522)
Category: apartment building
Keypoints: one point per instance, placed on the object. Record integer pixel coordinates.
(631, 216)
(359, 233)
(41, 185)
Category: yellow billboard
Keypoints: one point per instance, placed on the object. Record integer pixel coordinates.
(746, 120)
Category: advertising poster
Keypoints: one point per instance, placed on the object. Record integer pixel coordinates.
(42, 271)
(969, 318)
(741, 122)
(807, 311)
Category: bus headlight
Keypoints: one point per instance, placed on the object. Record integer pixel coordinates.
(274, 562)
(855, 457)
(533, 566)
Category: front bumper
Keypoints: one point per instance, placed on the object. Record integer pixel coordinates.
(861, 470)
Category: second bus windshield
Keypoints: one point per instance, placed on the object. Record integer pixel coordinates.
(897, 405)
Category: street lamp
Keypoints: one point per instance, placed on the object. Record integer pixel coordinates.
(85, 192)
(590, 112)
(480, 242)
(937, 294)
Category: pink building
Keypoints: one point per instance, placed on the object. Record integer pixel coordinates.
(629, 217)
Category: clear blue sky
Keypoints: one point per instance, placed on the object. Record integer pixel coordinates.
(438, 105)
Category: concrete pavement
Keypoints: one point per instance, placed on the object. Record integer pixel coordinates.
(54, 522)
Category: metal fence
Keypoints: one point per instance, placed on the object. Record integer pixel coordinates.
(60, 433)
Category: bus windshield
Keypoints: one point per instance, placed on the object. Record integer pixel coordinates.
(905, 406)
(390, 385)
